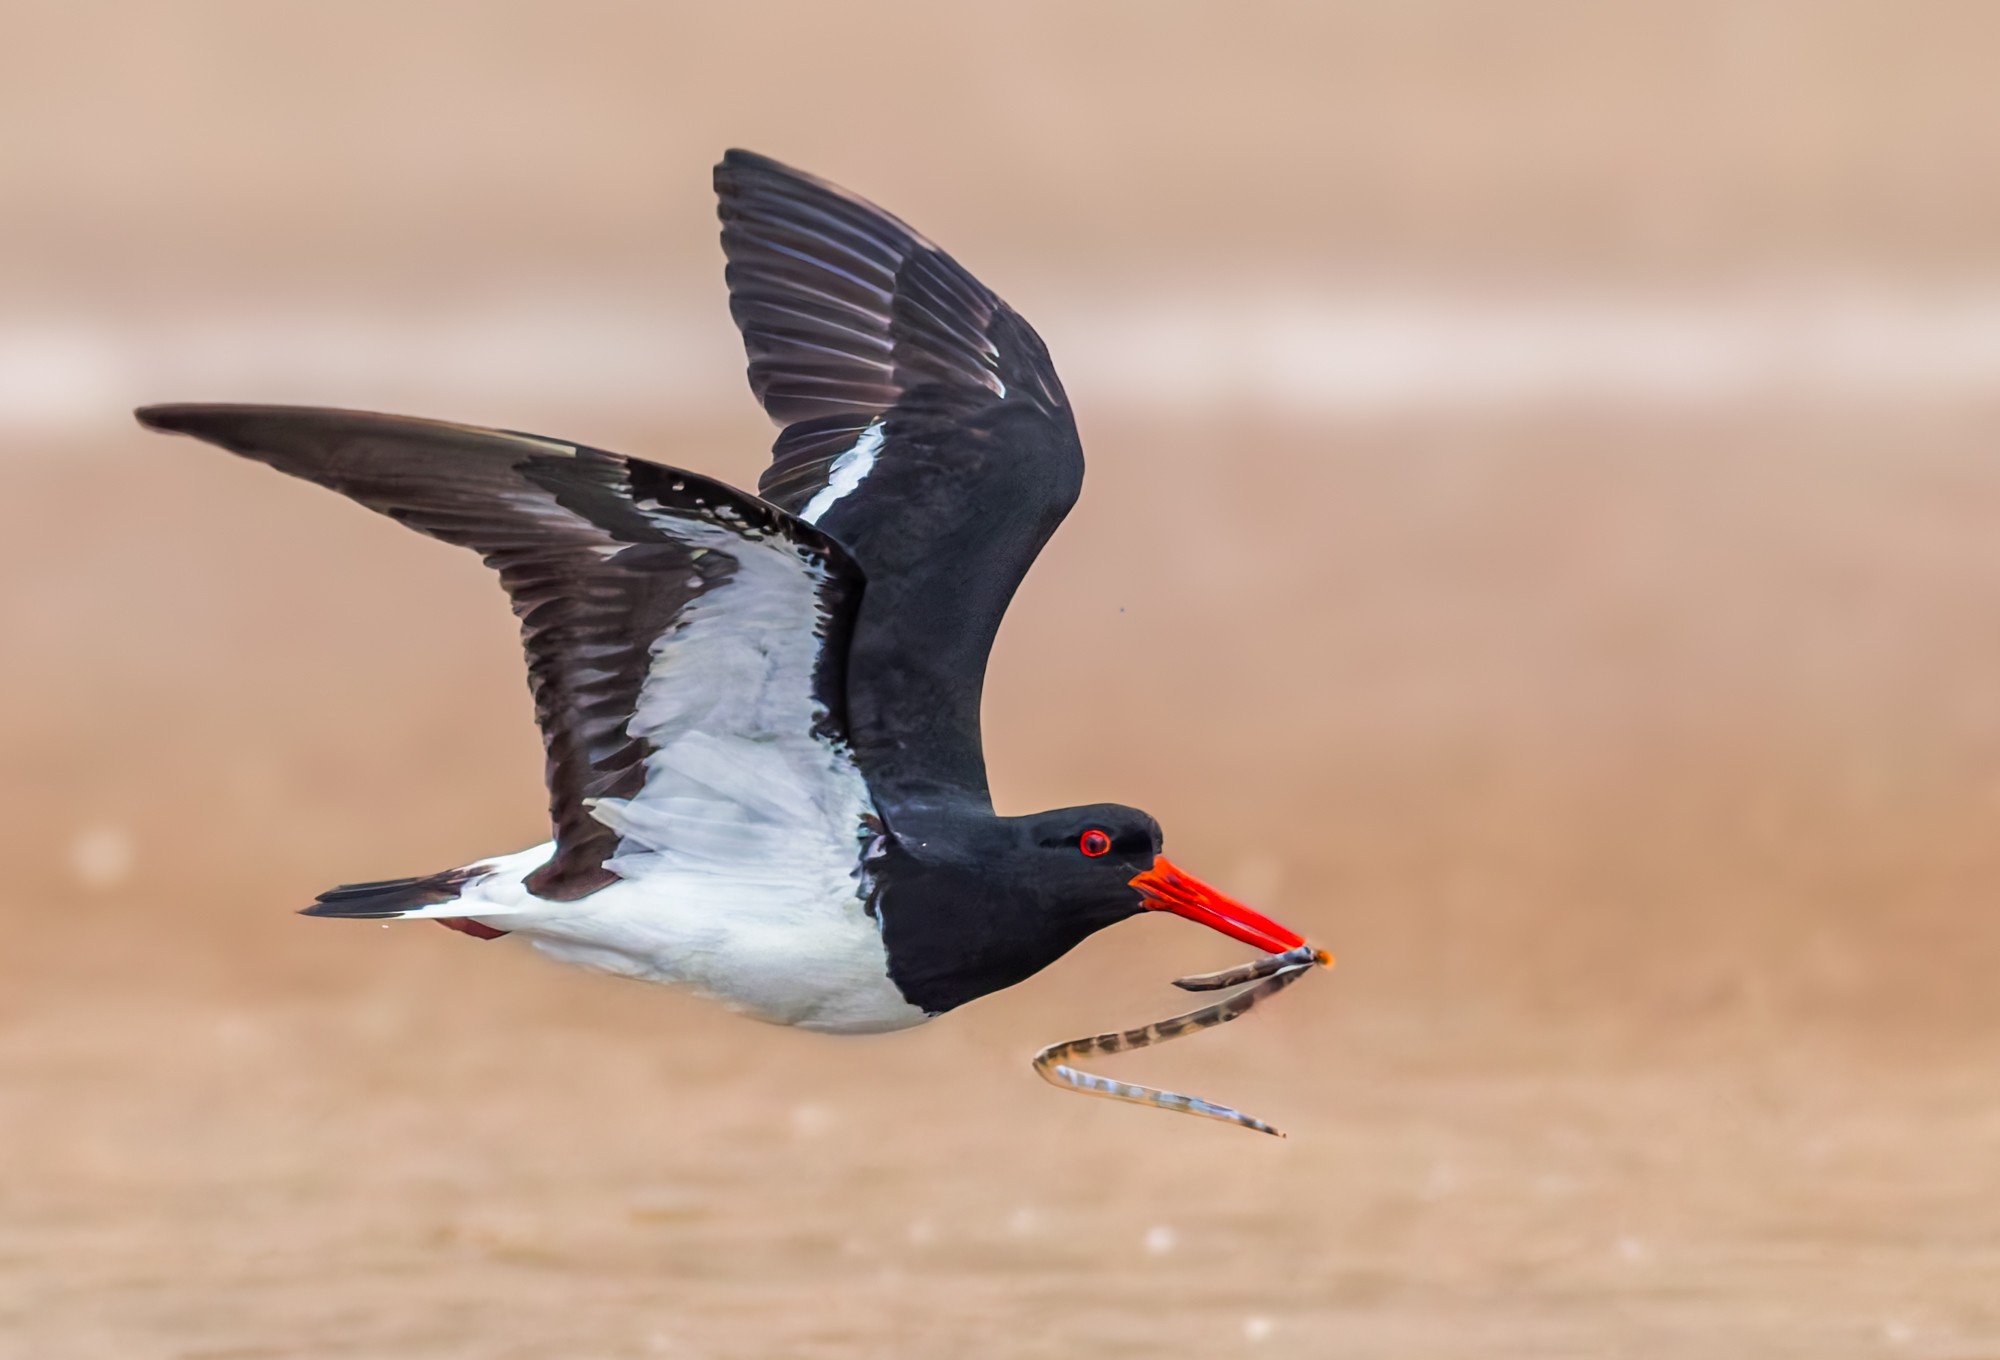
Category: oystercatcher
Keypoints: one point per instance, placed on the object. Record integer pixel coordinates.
(761, 713)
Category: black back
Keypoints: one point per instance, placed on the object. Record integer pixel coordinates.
(859, 329)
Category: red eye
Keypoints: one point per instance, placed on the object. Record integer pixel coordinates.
(1094, 843)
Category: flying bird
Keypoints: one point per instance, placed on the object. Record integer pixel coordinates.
(761, 712)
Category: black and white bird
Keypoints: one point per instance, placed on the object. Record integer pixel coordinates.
(761, 713)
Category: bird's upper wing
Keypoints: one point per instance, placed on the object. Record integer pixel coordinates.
(663, 615)
(924, 430)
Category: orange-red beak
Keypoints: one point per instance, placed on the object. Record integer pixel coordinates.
(1166, 888)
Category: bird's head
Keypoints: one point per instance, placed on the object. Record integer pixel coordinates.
(1101, 864)
(972, 903)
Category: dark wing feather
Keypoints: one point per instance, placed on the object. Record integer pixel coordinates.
(856, 327)
(586, 545)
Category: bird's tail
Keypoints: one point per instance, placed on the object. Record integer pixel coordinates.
(391, 898)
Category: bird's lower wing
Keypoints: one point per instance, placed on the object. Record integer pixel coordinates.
(668, 620)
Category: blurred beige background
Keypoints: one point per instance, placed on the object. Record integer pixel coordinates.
(1540, 538)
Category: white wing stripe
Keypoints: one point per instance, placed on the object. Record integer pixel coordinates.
(738, 773)
(846, 472)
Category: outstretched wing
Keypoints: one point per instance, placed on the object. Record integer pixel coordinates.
(655, 604)
(924, 430)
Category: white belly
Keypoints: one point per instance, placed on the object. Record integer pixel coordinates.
(737, 874)
(771, 948)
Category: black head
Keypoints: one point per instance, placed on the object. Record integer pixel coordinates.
(970, 904)
(1079, 863)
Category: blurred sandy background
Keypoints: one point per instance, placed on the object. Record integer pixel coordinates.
(1542, 537)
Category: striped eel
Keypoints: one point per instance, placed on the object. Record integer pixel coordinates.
(1271, 974)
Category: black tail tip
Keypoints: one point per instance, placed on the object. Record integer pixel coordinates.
(387, 898)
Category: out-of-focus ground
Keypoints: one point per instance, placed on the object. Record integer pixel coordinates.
(1631, 729)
